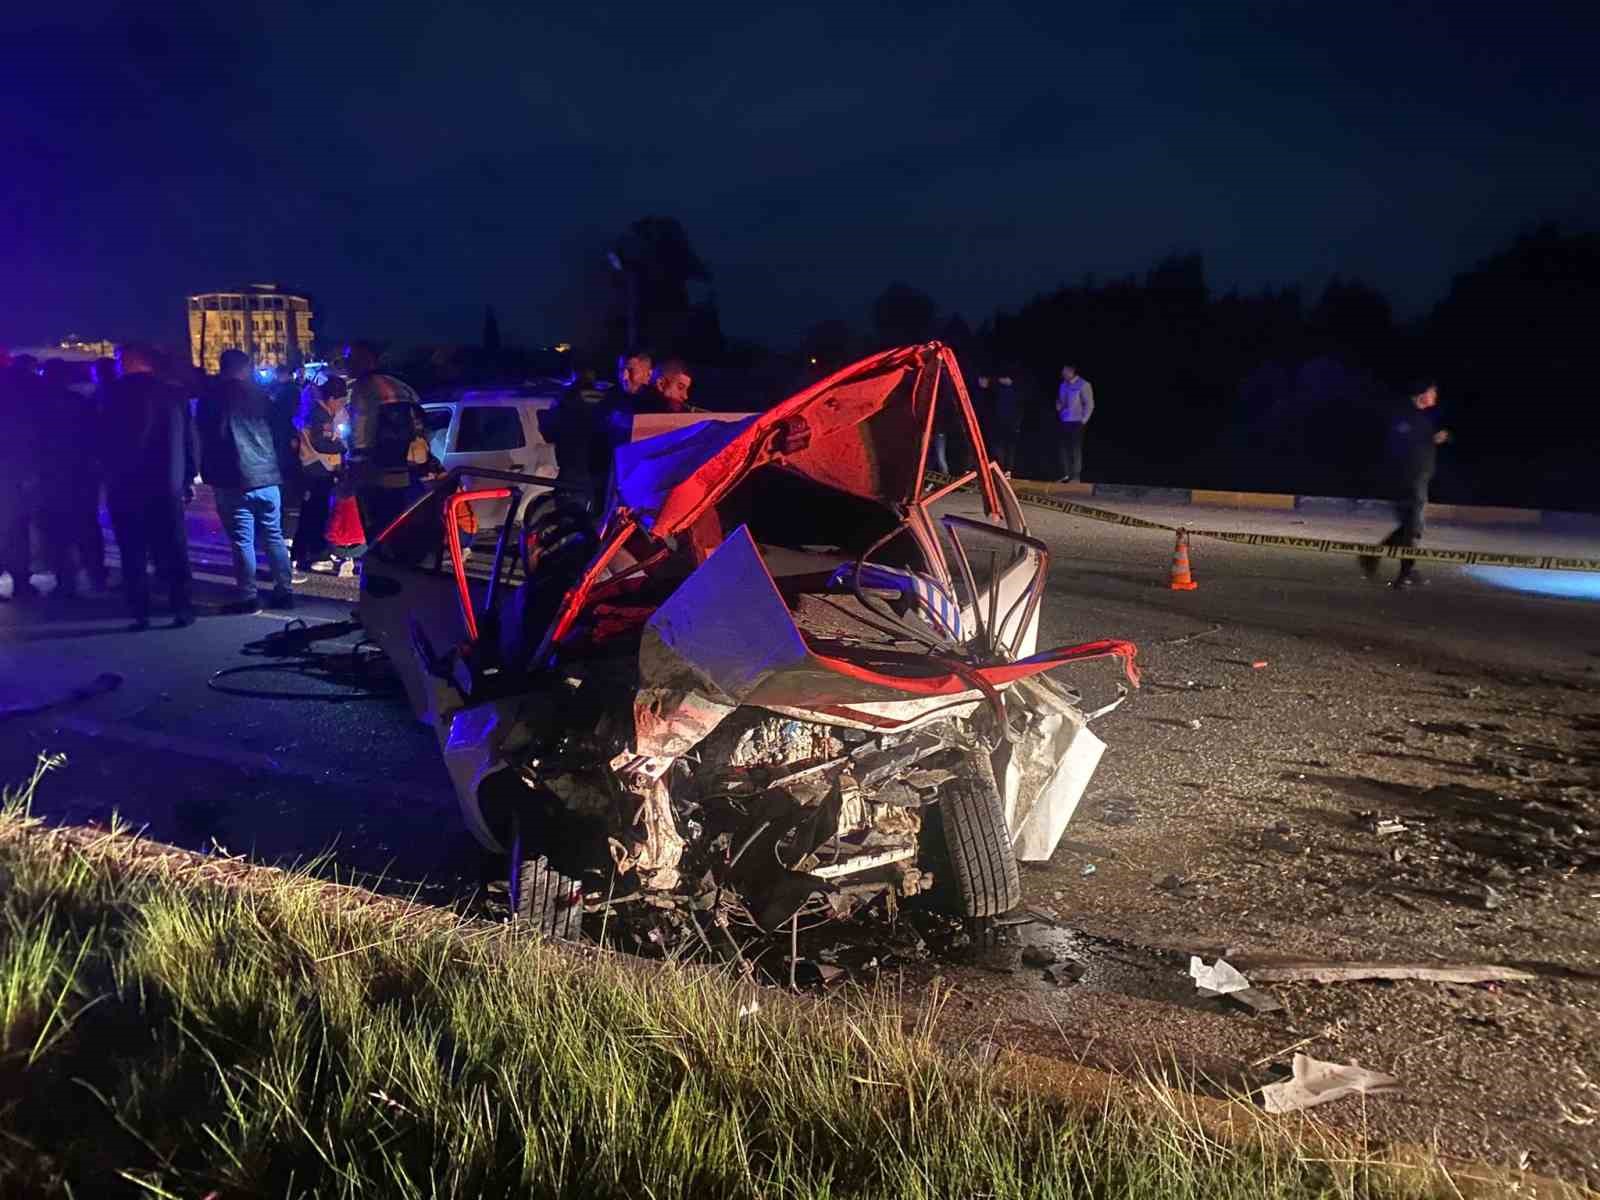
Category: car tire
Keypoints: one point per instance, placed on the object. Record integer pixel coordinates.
(978, 842)
(542, 898)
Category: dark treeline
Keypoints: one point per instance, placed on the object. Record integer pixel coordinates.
(1275, 390)
(1280, 391)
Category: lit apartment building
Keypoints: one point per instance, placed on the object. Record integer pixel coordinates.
(269, 325)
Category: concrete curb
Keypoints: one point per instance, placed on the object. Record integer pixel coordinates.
(1448, 514)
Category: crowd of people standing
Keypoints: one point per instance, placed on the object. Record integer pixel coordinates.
(1003, 404)
(138, 432)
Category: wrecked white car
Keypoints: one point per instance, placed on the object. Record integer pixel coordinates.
(773, 685)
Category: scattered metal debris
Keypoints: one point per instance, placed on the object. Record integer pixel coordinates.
(1316, 1082)
(1039, 956)
(1180, 641)
(1374, 822)
(1065, 973)
(1253, 999)
(1181, 888)
(1352, 972)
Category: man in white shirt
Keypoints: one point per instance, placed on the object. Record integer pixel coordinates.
(1074, 407)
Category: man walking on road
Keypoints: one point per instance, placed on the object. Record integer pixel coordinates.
(147, 450)
(239, 458)
(1074, 407)
(1415, 442)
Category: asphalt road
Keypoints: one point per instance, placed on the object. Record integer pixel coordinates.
(1451, 705)
(298, 776)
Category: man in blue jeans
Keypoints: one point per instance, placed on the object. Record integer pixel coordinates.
(239, 459)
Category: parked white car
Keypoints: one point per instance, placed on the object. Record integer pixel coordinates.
(494, 428)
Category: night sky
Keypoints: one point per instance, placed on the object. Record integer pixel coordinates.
(409, 162)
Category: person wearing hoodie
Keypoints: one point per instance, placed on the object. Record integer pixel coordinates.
(239, 459)
(1074, 408)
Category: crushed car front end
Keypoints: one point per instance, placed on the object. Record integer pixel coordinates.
(778, 683)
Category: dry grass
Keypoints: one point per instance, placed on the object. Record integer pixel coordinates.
(172, 1028)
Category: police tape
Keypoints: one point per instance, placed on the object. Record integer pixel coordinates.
(1484, 558)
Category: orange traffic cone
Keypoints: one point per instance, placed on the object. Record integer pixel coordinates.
(1181, 580)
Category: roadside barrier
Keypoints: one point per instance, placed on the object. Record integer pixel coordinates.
(1543, 562)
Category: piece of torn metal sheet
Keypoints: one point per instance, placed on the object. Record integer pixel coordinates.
(1044, 774)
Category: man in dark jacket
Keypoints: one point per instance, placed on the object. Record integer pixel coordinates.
(149, 461)
(1414, 451)
(285, 406)
(69, 477)
(239, 459)
(19, 467)
(1007, 422)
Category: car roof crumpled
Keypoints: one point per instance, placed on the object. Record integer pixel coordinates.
(647, 471)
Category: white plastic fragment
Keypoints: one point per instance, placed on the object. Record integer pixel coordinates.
(1218, 979)
(1317, 1082)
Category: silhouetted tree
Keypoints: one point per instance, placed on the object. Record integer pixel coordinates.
(1510, 343)
(657, 264)
(958, 335)
(829, 344)
(1355, 319)
(901, 316)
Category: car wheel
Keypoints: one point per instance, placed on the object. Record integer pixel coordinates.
(978, 842)
(541, 897)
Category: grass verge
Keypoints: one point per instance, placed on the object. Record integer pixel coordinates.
(172, 1026)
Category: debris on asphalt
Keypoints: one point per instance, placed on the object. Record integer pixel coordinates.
(1179, 887)
(1374, 822)
(1063, 974)
(1039, 956)
(1258, 664)
(1355, 972)
(1255, 1000)
(1191, 637)
(1088, 869)
(1316, 1082)
(1490, 899)
(1218, 979)
(1118, 811)
(1194, 722)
